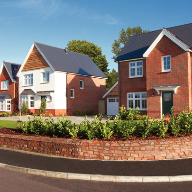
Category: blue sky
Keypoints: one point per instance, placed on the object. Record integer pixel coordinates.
(56, 22)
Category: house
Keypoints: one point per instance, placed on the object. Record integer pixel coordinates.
(66, 80)
(155, 71)
(9, 87)
(112, 99)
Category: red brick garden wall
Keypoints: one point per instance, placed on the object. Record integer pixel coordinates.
(87, 98)
(105, 150)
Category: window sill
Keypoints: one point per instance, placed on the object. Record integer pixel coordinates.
(139, 109)
(44, 83)
(4, 89)
(135, 77)
(27, 85)
(165, 71)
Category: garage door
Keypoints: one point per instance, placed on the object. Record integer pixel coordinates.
(112, 106)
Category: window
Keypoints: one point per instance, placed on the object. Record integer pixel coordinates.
(46, 77)
(5, 105)
(135, 100)
(8, 105)
(81, 84)
(24, 99)
(29, 100)
(4, 85)
(72, 93)
(111, 100)
(28, 79)
(166, 63)
(136, 69)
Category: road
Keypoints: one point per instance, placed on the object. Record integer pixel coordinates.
(12, 181)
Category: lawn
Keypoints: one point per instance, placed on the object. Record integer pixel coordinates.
(8, 124)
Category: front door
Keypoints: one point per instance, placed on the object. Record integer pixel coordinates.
(167, 101)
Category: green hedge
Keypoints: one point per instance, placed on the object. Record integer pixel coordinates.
(182, 123)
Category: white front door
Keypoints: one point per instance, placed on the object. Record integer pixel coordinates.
(112, 106)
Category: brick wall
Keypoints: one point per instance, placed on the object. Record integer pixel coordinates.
(87, 98)
(105, 150)
(127, 84)
(179, 74)
(12, 89)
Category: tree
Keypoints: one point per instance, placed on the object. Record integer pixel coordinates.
(124, 36)
(92, 50)
(112, 79)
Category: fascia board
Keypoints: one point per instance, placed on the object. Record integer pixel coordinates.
(9, 74)
(110, 90)
(44, 57)
(170, 36)
(19, 72)
(1, 67)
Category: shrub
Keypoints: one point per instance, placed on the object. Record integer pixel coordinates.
(42, 109)
(24, 108)
(129, 115)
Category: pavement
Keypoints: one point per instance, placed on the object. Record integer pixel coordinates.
(94, 170)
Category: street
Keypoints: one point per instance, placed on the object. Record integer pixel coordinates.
(21, 182)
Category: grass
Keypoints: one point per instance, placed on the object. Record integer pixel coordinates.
(8, 124)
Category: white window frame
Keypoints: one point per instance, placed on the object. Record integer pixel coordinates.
(29, 79)
(81, 87)
(134, 99)
(163, 66)
(5, 103)
(135, 67)
(72, 95)
(28, 100)
(5, 85)
(46, 80)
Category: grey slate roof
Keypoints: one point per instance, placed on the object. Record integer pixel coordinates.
(12, 69)
(138, 44)
(28, 92)
(70, 61)
(5, 96)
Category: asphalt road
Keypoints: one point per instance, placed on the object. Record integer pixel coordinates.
(12, 181)
(119, 168)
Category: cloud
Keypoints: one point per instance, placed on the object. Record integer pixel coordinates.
(44, 9)
(107, 19)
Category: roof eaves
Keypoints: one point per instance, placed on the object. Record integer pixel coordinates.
(30, 50)
(9, 73)
(110, 90)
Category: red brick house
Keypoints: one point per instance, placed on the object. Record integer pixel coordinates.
(155, 71)
(66, 80)
(9, 87)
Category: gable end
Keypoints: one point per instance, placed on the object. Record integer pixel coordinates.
(35, 61)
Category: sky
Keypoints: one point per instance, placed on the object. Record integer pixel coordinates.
(56, 22)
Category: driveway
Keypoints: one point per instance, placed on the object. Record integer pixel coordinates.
(74, 119)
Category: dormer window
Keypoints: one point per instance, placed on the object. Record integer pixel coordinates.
(166, 63)
(136, 69)
(4, 85)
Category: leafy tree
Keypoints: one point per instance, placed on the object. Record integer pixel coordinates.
(124, 36)
(92, 50)
(112, 79)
